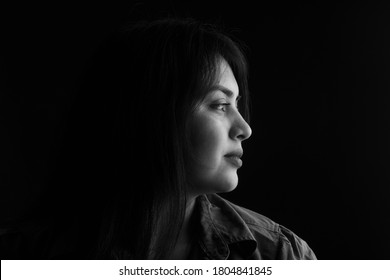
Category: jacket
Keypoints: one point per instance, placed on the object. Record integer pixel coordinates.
(228, 231)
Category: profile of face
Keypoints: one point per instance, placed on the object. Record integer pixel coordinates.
(217, 131)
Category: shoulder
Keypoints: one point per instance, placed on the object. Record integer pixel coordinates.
(274, 241)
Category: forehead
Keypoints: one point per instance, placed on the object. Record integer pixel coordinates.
(226, 78)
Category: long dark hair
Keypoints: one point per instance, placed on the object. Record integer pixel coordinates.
(127, 141)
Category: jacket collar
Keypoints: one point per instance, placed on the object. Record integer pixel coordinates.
(223, 232)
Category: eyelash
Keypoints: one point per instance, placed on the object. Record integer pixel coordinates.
(222, 106)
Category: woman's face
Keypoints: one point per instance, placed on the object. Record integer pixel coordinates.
(217, 131)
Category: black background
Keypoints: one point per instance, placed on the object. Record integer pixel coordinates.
(318, 160)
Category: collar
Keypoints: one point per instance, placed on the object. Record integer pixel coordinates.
(223, 233)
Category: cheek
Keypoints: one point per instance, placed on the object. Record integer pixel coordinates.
(209, 172)
(207, 143)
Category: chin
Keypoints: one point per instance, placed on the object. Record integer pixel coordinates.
(227, 184)
(220, 183)
(228, 189)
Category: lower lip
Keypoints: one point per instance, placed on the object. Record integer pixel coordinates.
(236, 161)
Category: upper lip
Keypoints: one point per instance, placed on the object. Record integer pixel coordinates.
(238, 154)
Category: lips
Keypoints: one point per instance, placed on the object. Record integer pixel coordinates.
(235, 158)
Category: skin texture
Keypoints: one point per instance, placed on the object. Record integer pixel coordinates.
(217, 129)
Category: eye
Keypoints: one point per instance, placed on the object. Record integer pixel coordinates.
(220, 106)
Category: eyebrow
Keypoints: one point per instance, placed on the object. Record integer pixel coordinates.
(225, 90)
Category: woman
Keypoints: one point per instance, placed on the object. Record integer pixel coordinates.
(154, 134)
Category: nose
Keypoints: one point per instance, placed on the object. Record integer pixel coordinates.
(240, 128)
